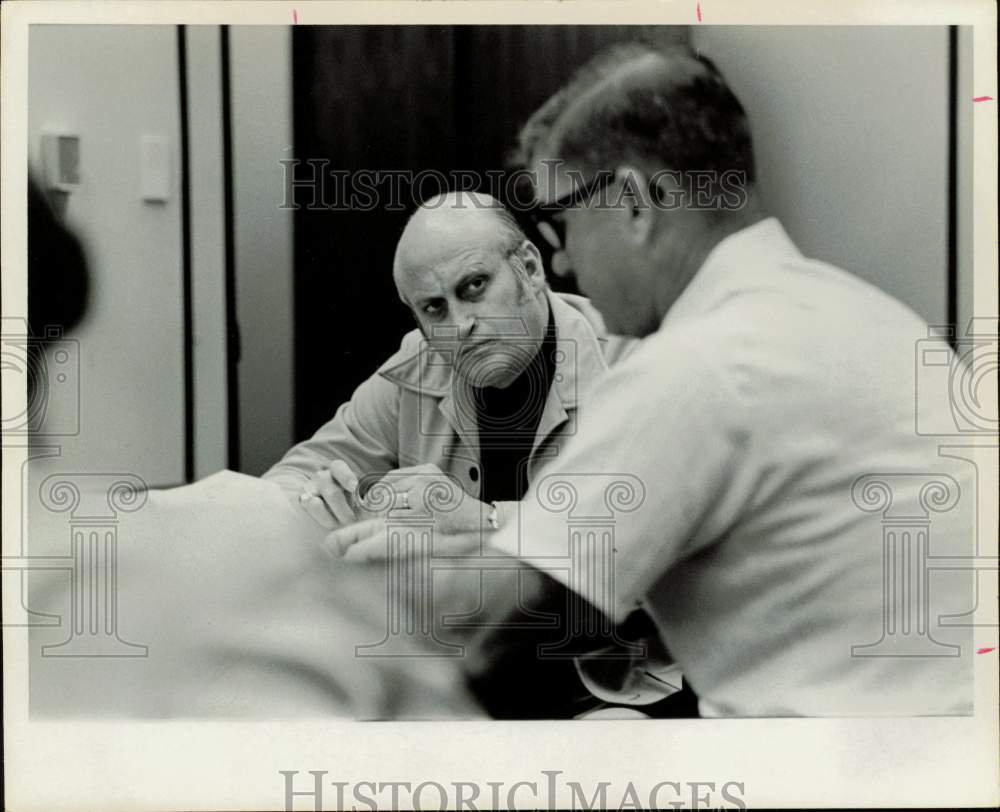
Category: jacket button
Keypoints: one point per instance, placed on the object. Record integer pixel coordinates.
(474, 474)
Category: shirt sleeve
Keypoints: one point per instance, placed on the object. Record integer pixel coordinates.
(364, 433)
(646, 480)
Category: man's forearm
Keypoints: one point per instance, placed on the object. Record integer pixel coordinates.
(507, 666)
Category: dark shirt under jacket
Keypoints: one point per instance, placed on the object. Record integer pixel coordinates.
(508, 419)
(517, 684)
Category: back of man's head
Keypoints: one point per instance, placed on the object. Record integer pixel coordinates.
(640, 125)
(653, 108)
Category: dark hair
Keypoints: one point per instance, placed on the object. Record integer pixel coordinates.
(660, 108)
(540, 124)
(58, 279)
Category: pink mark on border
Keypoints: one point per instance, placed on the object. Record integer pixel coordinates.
(985, 650)
(983, 98)
(699, 12)
(295, 17)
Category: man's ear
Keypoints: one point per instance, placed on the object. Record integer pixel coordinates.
(533, 267)
(632, 197)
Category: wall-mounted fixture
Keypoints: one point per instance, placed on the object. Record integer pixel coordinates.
(61, 161)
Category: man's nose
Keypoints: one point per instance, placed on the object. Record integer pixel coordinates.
(561, 265)
(465, 322)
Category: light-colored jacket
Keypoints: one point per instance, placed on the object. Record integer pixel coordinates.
(414, 411)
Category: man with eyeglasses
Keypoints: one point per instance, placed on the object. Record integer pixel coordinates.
(768, 413)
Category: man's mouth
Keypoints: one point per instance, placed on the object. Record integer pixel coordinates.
(479, 347)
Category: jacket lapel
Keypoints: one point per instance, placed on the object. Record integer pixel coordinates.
(579, 360)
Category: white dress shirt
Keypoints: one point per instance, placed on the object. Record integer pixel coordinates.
(744, 427)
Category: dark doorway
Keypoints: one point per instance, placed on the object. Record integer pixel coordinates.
(401, 98)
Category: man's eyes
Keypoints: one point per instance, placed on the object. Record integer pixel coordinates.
(474, 287)
(470, 290)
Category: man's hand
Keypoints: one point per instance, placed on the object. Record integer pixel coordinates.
(366, 541)
(460, 521)
(330, 494)
(428, 492)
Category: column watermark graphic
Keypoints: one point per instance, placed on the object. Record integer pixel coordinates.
(588, 567)
(955, 400)
(906, 627)
(409, 575)
(590, 539)
(954, 403)
(94, 502)
(47, 367)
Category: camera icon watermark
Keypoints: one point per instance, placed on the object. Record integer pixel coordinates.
(48, 365)
(956, 389)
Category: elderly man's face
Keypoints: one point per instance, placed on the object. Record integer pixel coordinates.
(472, 300)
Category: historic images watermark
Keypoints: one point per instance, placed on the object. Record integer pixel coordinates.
(313, 184)
(311, 789)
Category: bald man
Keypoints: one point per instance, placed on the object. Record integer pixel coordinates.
(480, 393)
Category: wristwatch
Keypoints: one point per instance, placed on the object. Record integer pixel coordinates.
(493, 517)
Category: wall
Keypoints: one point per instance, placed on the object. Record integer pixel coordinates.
(111, 85)
(206, 180)
(851, 126)
(261, 81)
(964, 164)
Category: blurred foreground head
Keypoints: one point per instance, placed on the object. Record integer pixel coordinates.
(58, 280)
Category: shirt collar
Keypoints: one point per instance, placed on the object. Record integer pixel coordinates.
(733, 262)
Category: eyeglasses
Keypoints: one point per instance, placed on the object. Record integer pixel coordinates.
(547, 217)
